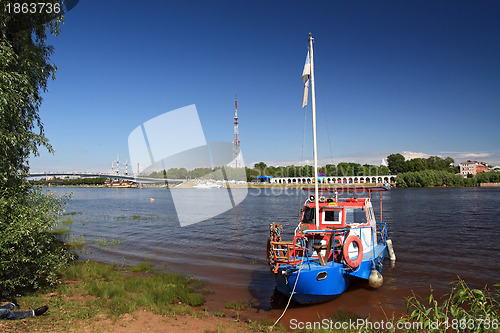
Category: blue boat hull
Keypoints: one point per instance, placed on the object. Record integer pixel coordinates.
(317, 283)
(308, 289)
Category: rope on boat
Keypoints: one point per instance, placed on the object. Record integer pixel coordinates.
(293, 290)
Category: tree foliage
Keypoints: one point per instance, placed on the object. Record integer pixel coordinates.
(261, 166)
(398, 164)
(29, 254)
(226, 173)
(331, 170)
(342, 169)
(428, 178)
(25, 68)
(417, 172)
(488, 177)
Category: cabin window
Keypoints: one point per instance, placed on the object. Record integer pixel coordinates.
(355, 216)
(332, 216)
(309, 215)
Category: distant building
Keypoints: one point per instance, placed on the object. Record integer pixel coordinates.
(472, 167)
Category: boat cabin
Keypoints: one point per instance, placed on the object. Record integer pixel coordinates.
(337, 220)
(358, 212)
(338, 214)
(346, 231)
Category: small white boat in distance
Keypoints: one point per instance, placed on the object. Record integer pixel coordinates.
(207, 185)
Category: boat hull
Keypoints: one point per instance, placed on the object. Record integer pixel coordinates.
(317, 283)
(308, 289)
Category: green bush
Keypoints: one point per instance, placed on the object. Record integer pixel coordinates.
(488, 177)
(463, 310)
(427, 178)
(30, 255)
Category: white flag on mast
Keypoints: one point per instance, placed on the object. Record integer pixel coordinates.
(305, 78)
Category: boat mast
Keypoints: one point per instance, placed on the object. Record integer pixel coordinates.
(315, 146)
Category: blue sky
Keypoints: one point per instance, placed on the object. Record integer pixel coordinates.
(417, 77)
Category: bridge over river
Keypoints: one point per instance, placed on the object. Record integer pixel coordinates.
(140, 180)
(382, 179)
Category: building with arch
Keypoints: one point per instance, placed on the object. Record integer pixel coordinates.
(384, 179)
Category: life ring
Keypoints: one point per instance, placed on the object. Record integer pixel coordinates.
(345, 251)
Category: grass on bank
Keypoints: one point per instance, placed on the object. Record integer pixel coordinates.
(92, 289)
(62, 231)
(118, 292)
(239, 305)
(92, 292)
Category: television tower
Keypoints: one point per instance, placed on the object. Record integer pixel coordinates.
(236, 142)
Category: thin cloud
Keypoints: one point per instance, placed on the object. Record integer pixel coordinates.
(491, 158)
(411, 155)
(474, 155)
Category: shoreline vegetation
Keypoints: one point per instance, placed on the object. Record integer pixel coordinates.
(96, 297)
(418, 172)
(425, 178)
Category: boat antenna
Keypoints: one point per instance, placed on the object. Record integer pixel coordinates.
(315, 145)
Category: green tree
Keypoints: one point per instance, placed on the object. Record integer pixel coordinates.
(415, 164)
(350, 169)
(330, 170)
(29, 255)
(449, 163)
(252, 174)
(426, 178)
(271, 171)
(383, 170)
(177, 173)
(307, 171)
(396, 163)
(199, 173)
(261, 166)
(292, 171)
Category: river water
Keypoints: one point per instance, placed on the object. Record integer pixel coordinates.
(438, 234)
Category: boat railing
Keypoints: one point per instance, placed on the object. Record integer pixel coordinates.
(287, 253)
(337, 237)
(382, 232)
(296, 252)
(341, 235)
